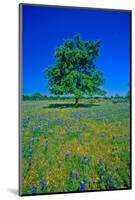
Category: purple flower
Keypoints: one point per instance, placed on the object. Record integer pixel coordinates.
(123, 182)
(85, 181)
(46, 141)
(34, 189)
(46, 144)
(24, 123)
(29, 160)
(79, 171)
(102, 135)
(30, 151)
(82, 186)
(103, 170)
(108, 188)
(86, 160)
(42, 183)
(28, 117)
(110, 181)
(72, 175)
(67, 153)
(32, 138)
(123, 150)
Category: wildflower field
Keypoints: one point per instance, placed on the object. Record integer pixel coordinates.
(66, 149)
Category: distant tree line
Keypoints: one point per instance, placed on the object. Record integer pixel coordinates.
(37, 96)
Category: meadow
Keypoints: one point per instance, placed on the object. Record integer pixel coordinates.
(66, 148)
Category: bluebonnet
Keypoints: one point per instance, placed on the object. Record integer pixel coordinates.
(72, 175)
(108, 188)
(67, 153)
(123, 182)
(58, 120)
(24, 123)
(42, 183)
(29, 160)
(30, 151)
(46, 144)
(110, 181)
(86, 160)
(36, 129)
(34, 189)
(32, 138)
(123, 150)
(102, 135)
(79, 171)
(82, 186)
(103, 170)
(76, 115)
(28, 117)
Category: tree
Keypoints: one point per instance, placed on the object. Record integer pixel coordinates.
(37, 94)
(75, 72)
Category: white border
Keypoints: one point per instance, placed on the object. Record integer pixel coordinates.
(9, 97)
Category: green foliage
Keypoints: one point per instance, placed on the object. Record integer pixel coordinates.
(75, 72)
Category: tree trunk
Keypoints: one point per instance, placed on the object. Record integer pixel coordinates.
(76, 101)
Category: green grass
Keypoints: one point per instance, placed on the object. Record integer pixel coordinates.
(66, 149)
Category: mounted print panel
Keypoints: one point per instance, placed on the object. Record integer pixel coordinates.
(75, 99)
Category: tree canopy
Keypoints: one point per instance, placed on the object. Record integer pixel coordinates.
(75, 71)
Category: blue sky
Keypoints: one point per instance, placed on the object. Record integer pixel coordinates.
(45, 28)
